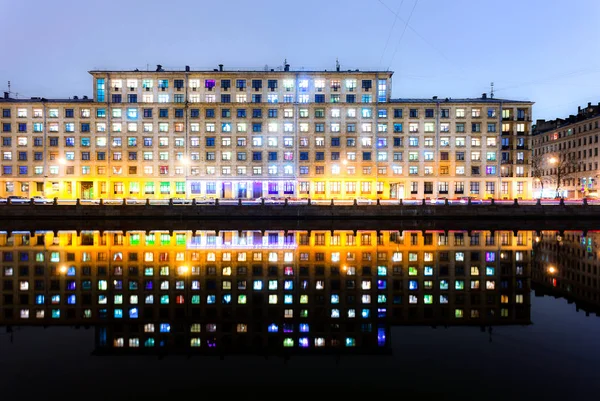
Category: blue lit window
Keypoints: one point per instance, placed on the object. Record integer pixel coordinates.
(257, 285)
(303, 342)
(413, 285)
(55, 313)
(428, 271)
(335, 299)
(39, 299)
(165, 328)
(164, 299)
(23, 170)
(211, 299)
(132, 114)
(100, 113)
(381, 270)
(304, 328)
(365, 313)
(226, 299)
(118, 313)
(133, 313)
(288, 299)
(273, 328)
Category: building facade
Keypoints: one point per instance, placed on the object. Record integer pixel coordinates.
(571, 145)
(249, 134)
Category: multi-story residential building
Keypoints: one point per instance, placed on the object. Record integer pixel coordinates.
(249, 134)
(571, 146)
(207, 290)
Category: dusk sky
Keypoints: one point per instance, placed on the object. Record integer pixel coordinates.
(539, 50)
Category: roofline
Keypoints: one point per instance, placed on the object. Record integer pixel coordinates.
(44, 100)
(458, 100)
(291, 72)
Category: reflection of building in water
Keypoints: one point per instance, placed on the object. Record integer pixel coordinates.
(247, 290)
(567, 265)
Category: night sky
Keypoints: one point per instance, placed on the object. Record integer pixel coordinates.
(538, 50)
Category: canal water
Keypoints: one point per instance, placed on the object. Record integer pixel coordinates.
(418, 314)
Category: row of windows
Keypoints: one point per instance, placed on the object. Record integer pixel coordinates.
(210, 83)
(365, 112)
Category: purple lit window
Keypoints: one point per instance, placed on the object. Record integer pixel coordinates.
(490, 256)
(381, 312)
(303, 342)
(381, 336)
(209, 83)
(381, 284)
(71, 285)
(288, 271)
(288, 328)
(149, 285)
(273, 188)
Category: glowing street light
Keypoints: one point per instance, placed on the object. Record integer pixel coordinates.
(62, 269)
(183, 270)
(62, 160)
(552, 270)
(552, 160)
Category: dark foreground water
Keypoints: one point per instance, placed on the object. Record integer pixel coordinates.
(318, 314)
(556, 357)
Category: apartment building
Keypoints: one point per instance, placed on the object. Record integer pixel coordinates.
(206, 290)
(249, 134)
(566, 149)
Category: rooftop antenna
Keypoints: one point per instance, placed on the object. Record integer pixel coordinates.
(337, 64)
(8, 86)
(492, 91)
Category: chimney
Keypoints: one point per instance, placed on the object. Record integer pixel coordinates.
(484, 95)
(220, 67)
(75, 98)
(435, 98)
(589, 104)
(85, 97)
(6, 95)
(286, 66)
(187, 68)
(158, 67)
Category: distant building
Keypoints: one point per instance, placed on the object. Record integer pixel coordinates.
(574, 138)
(249, 134)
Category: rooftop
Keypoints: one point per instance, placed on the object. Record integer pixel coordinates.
(435, 99)
(279, 69)
(585, 113)
(75, 99)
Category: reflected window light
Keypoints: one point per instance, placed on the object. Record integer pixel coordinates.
(351, 313)
(335, 313)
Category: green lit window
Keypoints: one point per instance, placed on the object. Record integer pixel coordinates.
(241, 299)
(149, 342)
(149, 188)
(195, 299)
(148, 271)
(134, 239)
(165, 239)
(165, 187)
(288, 342)
(180, 239)
(180, 187)
(102, 285)
(149, 239)
(459, 285)
(412, 271)
(55, 257)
